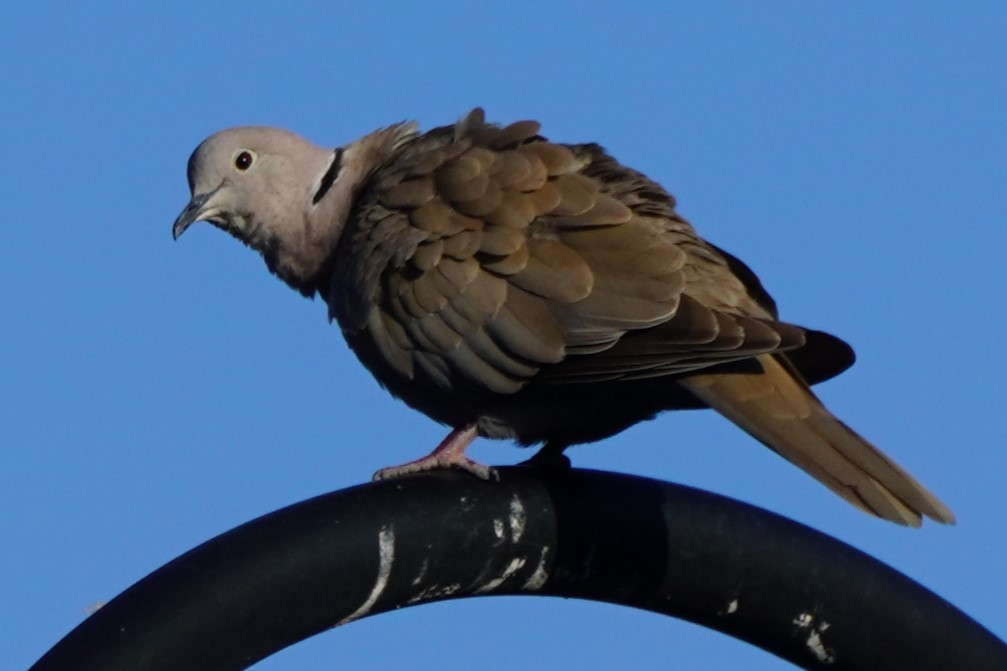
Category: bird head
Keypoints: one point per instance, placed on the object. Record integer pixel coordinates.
(263, 186)
(252, 182)
(282, 195)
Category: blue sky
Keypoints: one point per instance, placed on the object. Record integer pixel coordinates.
(154, 394)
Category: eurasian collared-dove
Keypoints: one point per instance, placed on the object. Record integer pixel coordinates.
(512, 287)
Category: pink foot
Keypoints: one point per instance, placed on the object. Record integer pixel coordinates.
(449, 454)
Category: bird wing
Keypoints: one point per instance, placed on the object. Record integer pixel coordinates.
(490, 256)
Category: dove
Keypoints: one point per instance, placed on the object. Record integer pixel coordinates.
(515, 288)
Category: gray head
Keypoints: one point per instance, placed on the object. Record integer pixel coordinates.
(280, 194)
(252, 182)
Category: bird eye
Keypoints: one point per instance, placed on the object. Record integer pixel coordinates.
(243, 160)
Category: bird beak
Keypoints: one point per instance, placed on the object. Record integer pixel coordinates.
(195, 211)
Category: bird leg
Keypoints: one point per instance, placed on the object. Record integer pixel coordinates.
(449, 454)
(549, 457)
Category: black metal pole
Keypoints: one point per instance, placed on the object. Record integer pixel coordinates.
(751, 574)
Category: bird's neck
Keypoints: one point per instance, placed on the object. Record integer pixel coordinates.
(304, 262)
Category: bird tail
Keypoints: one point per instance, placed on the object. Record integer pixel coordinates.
(779, 409)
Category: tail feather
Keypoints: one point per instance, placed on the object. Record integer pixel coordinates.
(779, 409)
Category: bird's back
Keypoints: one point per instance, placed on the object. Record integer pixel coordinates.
(479, 261)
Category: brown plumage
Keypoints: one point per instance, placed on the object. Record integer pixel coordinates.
(512, 287)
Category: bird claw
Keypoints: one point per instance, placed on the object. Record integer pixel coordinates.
(449, 454)
(437, 462)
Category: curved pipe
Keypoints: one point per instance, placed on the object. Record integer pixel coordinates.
(776, 584)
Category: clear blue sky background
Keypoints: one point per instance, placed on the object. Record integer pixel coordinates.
(153, 394)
